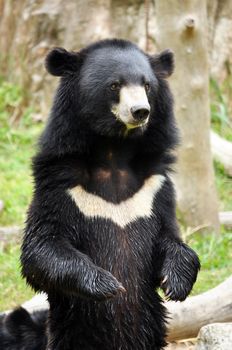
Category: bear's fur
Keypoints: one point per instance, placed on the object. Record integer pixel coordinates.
(101, 232)
(20, 330)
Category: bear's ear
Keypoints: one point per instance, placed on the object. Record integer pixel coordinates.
(59, 61)
(163, 63)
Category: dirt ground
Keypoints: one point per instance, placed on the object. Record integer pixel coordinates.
(182, 345)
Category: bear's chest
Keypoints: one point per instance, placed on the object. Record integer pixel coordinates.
(117, 195)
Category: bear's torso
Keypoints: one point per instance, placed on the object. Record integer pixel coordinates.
(109, 204)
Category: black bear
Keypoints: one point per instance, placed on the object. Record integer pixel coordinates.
(101, 233)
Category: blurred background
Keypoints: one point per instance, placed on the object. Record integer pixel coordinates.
(200, 34)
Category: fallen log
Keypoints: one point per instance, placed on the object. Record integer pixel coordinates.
(10, 233)
(222, 151)
(36, 303)
(1, 205)
(195, 312)
(225, 218)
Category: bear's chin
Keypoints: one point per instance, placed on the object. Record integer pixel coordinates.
(129, 133)
(118, 130)
(135, 131)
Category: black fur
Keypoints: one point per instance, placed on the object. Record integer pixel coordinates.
(59, 62)
(20, 330)
(101, 279)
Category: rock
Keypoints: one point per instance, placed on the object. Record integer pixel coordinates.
(217, 336)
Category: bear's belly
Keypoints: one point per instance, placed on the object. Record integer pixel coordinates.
(138, 205)
(121, 323)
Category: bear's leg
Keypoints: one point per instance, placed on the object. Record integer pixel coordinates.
(57, 265)
(179, 270)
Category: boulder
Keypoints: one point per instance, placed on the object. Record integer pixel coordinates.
(216, 336)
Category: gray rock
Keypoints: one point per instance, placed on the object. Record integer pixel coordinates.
(217, 336)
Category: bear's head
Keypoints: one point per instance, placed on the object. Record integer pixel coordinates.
(110, 89)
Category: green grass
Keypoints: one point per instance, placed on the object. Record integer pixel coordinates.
(221, 122)
(17, 146)
(13, 289)
(216, 256)
(16, 150)
(221, 108)
(224, 188)
(15, 173)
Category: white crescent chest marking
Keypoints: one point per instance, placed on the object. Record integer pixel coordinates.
(123, 213)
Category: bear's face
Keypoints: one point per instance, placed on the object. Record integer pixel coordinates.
(115, 84)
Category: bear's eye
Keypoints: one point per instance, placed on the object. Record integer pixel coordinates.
(115, 86)
(147, 86)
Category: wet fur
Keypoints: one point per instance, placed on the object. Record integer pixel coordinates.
(84, 263)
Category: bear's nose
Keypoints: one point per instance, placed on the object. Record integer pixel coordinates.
(140, 113)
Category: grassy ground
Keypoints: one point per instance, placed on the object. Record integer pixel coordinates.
(17, 145)
(16, 150)
(216, 256)
(13, 289)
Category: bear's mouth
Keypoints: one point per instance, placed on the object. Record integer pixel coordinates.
(136, 124)
(132, 123)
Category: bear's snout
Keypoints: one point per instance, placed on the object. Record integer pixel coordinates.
(140, 112)
(133, 108)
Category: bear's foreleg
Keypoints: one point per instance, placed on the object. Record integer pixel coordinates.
(180, 264)
(53, 264)
(179, 270)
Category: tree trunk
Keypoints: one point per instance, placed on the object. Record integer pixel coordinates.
(182, 26)
(30, 28)
(220, 37)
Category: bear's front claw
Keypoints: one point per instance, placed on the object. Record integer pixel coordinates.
(104, 286)
(177, 291)
(179, 272)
